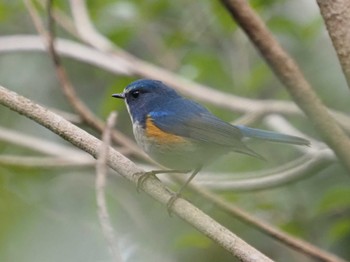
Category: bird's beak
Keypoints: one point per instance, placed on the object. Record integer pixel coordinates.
(121, 95)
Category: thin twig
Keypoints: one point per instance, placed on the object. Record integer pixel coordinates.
(290, 75)
(100, 184)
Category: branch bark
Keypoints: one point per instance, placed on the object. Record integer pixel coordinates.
(152, 186)
(290, 75)
(336, 15)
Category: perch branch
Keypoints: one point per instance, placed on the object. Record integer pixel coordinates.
(182, 208)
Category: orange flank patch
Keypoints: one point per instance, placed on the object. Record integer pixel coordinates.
(152, 131)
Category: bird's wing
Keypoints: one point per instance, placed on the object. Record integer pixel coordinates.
(193, 121)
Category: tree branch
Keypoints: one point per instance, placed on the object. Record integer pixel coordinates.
(130, 171)
(336, 15)
(291, 76)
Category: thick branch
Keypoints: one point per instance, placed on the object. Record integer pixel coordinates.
(336, 15)
(130, 171)
(291, 76)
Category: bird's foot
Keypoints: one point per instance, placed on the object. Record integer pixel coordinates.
(143, 177)
(171, 202)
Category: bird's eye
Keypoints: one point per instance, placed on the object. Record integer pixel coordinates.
(135, 94)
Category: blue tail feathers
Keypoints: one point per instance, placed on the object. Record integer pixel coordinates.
(272, 136)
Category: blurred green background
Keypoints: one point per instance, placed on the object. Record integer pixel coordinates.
(50, 214)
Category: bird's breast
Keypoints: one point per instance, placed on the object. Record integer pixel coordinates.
(169, 150)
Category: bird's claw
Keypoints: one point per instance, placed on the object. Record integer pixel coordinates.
(143, 177)
(171, 202)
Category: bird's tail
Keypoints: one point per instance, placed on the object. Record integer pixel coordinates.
(272, 136)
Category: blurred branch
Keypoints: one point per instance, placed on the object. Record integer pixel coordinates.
(130, 171)
(44, 162)
(336, 15)
(119, 65)
(291, 76)
(16, 43)
(60, 17)
(293, 171)
(40, 145)
(73, 118)
(100, 184)
(86, 29)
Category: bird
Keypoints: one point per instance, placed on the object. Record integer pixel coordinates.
(182, 135)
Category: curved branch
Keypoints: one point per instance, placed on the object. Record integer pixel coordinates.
(81, 139)
(296, 170)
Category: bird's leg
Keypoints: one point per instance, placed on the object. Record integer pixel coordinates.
(178, 193)
(146, 175)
